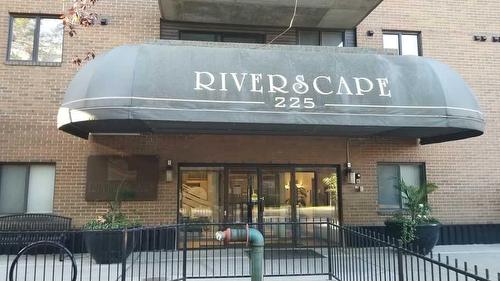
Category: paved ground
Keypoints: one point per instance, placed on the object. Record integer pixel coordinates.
(286, 278)
(484, 256)
(149, 266)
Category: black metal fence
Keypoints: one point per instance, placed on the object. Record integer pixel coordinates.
(456, 234)
(188, 251)
(367, 255)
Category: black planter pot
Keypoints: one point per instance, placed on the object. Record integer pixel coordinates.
(106, 246)
(426, 235)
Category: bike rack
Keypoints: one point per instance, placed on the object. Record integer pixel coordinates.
(43, 243)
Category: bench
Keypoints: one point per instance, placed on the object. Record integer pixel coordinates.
(18, 231)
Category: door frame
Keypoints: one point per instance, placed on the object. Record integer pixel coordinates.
(259, 166)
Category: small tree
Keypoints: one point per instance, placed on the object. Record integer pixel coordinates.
(114, 218)
(417, 210)
(80, 14)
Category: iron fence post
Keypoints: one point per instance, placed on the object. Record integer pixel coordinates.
(124, 254)
(329, 245)
(399, 243)
(184, 252)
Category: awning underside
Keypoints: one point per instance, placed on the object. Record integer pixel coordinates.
(187, 87)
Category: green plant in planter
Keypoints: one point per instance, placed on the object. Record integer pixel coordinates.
(114, 218)
(417, 210)
(105, 241)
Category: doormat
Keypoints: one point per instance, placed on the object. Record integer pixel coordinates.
(289, 254)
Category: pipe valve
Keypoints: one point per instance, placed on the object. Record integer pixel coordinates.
(254, 239)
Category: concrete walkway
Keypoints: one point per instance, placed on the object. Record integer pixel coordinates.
(482, 255)
(153, 266)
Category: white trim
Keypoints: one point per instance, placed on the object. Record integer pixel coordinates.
(274, 112)
(261, 102)
(402, 106)
(163, 99)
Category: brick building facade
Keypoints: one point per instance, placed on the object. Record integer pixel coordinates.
(467, 171)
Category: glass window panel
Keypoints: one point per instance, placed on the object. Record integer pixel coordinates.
(326, 194)
(241, 185)
(12, 189)
(411, 174)
(388, 196)
(41, 189)
(201, 201)
(276, 191)
(51, 40)
(199, 36)
(304, 181)
(391, 41)
(332, 39)
(409, 44)
(243, 38)
(321, 205)
(22, 39)
(309, 37)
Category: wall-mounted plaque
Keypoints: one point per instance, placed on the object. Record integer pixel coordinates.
(127, 178)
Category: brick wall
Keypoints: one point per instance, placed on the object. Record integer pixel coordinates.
(30, 95)
(468, 171)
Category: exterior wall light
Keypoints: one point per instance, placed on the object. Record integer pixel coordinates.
(481, 38)
(169, 172)
(370, 33)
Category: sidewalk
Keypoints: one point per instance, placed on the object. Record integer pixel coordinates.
(149, 266)
(482, 255)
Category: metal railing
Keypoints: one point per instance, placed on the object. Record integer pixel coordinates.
(366, 255)
(189, 251)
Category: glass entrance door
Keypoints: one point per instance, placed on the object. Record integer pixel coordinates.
(316, 193)
(276, 195)
(201, 196)
(241, 187)
(254, 194)
(258, 195)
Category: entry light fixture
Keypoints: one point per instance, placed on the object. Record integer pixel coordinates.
(169, 171)
(370, 33)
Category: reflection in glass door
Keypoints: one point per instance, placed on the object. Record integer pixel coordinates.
(257, 194)
(276, 195)
(316, 194)
(242, 184)
(200, 196)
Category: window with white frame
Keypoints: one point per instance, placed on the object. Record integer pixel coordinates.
(389, 177)
(26, 188)
(406, 43)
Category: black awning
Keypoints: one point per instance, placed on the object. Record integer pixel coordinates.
(178, 86)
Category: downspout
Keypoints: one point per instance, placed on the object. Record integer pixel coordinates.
(255, 240)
